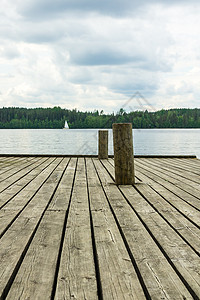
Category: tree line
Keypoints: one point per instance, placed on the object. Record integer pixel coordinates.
(15, 117)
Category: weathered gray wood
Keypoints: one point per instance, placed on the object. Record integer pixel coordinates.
(62, 195)
(191, 181)
(160, 278)
(39, 265)
(13, 208)
(18, 201)
(14, 177)
(4, 161)
(162, 188)
(179, 223)
(103, 144)
(179, 168)
(186, 259)
(123, 153)
(181, 165)
(36, 274)
(162, 207)
(167, 182)
(175, 185)
(13, 243)
(189, 163)
(7, 163)
(23, 182)
(15, 166)
(117, 274)
(76, 277)
(186, 229)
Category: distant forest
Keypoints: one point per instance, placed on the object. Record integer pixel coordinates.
(15, 117)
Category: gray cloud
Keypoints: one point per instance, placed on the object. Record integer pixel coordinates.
(46, 8)
(101, 57)
(10, 52)
(42, 35)
(50, 8)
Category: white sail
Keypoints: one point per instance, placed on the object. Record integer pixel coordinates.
(66, 125)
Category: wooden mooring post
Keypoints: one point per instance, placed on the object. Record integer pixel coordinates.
(123, 153)
(103, 144)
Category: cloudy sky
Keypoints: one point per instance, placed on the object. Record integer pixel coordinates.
(89, 54)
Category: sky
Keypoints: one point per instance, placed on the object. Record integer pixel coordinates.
(100, 55)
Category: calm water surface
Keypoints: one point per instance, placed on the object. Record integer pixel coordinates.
(84, 141)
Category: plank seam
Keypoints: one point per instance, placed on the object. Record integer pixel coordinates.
(15, 163)
(27, 182)
(19, 170)
(18, 178)
(62, 235)
(190, 290)
(16, 268)
(95, 254)
(17, 215)
(196, 225)
(143, 285)
(160, 214)
(172, 191)
(176, 167)
(173, 173)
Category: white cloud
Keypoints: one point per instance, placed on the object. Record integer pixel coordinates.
(97, 55)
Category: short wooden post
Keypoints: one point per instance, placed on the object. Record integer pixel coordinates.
(103, 144)
(123, 153)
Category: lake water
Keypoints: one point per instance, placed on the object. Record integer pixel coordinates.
(84, 141)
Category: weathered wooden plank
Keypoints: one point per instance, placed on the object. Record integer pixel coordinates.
(159, 277)
(168, 183)
(178, 222)
(188, 186)
(162, 188)
(23, 182)
(182, 171)
(6, 162)
(193, 164)
(13, 166)
(189, 181)
(177, 250)
(62, 195)
(10, 164)
(41, 198)
(190, 234)
(8, 193)
(17, 175)
(191, 184)
(3, 158)
(117, 274)
(159, 231)
(185, 165)
(35, 277)
(186, 229)
(14, 243)
(13, 208)
(76, 277)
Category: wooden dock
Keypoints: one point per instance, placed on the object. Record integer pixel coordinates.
(68, 232)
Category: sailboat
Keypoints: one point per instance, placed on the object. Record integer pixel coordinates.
(66, 125)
